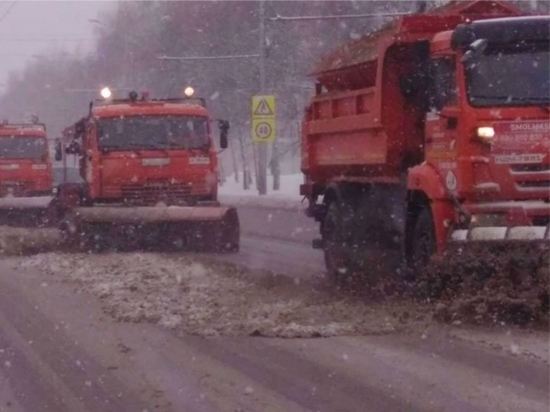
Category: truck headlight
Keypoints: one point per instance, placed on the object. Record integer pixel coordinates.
(485, 134)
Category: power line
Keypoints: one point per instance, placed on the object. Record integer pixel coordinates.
(41, 40)
(235, 56)
(335, 16)
(8, 11)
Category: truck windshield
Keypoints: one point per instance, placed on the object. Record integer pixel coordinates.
(152, 132)
(510, 76)
(23, 147)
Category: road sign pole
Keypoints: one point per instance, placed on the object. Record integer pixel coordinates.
(262, 149)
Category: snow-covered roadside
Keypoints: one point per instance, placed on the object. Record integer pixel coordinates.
(196, 295)
(288, 197)
(24, 241)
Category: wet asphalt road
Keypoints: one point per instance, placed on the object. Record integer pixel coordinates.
(60, 352)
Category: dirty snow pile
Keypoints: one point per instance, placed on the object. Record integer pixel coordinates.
(503, 286)
(202, 297)
(23, 241)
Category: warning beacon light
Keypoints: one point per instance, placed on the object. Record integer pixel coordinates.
(189, 92)
(106, 93)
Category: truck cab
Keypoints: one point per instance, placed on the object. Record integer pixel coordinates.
(487, 125)
(25, 165)
(142, 152)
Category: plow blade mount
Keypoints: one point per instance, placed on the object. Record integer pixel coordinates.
(202, 227)
(25, 211)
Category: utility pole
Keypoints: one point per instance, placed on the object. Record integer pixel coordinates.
(262, 147)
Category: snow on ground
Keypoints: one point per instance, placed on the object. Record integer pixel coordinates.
(22, 241)
(194, 294)
(288, 197)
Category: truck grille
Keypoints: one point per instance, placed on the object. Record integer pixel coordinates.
(531, 176)
(530, 168)
(154, 192)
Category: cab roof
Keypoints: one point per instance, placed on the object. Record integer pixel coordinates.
(24, 129)
(148, 108)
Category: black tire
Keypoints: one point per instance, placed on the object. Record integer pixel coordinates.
(334, 246)
(423, 242)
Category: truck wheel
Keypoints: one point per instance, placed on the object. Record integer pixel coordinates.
(336, 257)
(423, 242)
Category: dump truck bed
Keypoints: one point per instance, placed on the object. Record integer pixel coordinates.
(358, 125)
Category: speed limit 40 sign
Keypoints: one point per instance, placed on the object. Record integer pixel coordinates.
(263, 130)
(263, 119)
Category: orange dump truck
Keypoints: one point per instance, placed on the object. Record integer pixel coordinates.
(150, 176)
(25, 174)
(430, 133)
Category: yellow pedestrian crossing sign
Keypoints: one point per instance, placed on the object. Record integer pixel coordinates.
(263, 119)
(263, 106)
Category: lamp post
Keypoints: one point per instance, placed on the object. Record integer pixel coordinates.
(262, 147)
(125, 55)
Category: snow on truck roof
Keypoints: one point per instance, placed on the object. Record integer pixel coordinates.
(418, 26)
(24, 129)
(133, 107)
(149, 109)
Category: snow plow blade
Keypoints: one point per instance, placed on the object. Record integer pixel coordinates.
(26, 211)
(502, 234)
(202, 227)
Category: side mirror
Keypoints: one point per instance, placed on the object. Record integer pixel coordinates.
(224, 129)
(73, 148)
(58, 152)
(475, 49)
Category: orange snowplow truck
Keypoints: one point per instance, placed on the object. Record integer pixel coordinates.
(430, 133)
(25, 174)
(150, 176)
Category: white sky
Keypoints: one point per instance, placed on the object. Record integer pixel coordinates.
(37, 27)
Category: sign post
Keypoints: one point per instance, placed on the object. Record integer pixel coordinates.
(263, 131)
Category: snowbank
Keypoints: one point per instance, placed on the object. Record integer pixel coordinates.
(288, 197)
(193, 294)
(23, 241)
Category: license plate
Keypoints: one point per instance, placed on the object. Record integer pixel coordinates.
(199, 160)
(163, 161)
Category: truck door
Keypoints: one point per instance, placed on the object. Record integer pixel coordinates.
(441, 126)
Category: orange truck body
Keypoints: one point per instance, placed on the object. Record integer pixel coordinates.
(361, 131)
(25, 164)
(147, 164)
(146, 176)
